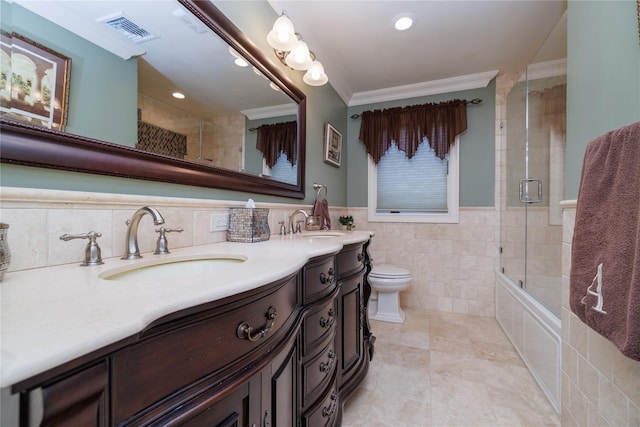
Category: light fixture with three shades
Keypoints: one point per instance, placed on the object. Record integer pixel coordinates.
(294, 52)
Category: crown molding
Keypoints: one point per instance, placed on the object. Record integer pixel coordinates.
(542, 70)
(272, 111)
(434, 87)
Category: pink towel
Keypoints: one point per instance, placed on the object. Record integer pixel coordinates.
(605, 257)
(321, 209)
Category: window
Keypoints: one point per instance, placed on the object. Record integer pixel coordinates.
(283, 170)
(421, 189)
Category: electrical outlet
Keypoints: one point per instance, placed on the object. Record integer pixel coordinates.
(219, 221)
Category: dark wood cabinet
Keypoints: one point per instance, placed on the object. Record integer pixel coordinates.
(80, 399)
(354, 338)
(286, 354)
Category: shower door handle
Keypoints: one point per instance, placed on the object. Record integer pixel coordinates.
(524, 190)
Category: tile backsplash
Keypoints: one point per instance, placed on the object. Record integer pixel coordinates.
(38, 217)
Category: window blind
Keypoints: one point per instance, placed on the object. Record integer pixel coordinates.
(416, 185)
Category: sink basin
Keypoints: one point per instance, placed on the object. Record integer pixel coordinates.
(173, 268)
(315, 234)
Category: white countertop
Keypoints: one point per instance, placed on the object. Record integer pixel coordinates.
(50, 316)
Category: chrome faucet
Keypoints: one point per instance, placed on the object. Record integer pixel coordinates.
(293, 229)
(131, 239)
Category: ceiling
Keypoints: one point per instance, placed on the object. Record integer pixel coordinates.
(454, 41)
(362, 53)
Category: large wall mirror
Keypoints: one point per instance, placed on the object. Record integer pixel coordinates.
(127, 59)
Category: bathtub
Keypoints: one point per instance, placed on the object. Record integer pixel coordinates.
(535, 333)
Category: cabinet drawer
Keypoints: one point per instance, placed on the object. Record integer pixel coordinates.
(319, 279)
(325, 413)
(317, 372)
(78, 400)
(162, 365)
(318, 325)
(350, 260)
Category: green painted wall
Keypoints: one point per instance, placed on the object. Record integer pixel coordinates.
(477, 148)
(603, 76)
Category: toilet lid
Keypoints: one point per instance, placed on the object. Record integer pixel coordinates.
(389, 271)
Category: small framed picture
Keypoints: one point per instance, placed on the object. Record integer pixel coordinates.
(35, 82)
(332, 145)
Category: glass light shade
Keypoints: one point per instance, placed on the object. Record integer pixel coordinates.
(315, 75)
(299, 58)
(282, 36)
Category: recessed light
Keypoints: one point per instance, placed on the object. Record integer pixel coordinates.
(240, 62)
(178, 95)
(403, 22)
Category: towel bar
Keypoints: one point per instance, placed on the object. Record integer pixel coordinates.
(318, 188)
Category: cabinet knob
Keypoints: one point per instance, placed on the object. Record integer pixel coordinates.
(327, 323)
(326, 367)
(329, 278)
(246, 331)
(327, 412)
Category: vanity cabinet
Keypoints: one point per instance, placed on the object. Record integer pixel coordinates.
(286, 354)
(354, 339)
(79, 399)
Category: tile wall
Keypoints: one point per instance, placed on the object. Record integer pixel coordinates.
(37, 218)
(600, 386)
(452, 265)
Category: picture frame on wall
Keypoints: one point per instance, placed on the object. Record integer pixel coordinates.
(332, 145)
(36, 90)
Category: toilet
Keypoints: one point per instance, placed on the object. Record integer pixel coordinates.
(386, 283)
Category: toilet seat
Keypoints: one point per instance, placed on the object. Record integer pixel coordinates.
(389, 272)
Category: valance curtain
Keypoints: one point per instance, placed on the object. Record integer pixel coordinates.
(408, 126)
(276, 138)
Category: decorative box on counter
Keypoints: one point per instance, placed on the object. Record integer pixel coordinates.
(248, 225)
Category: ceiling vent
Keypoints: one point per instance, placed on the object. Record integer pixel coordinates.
(127, 28)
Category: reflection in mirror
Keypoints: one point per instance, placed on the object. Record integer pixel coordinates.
(225, 89)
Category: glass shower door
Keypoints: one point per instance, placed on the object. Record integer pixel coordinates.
(531, 220)
(514, 214)
(545, 167)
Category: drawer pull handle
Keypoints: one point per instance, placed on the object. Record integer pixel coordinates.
(326, 367)
(360, 257)
(327, 323)
(327, 279)
(328, 412)
(246, 331)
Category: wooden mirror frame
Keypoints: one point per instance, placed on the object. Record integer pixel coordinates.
(27, 145)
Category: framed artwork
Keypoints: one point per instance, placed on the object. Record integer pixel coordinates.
(332, 145)
(34, 84)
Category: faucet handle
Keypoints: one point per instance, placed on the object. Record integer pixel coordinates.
(92, 252)
(162, 245)
(283, 229)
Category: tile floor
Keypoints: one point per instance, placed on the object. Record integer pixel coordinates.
(446, 369)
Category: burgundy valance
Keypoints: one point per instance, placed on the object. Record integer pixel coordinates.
(408, 126)
(276, 138)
